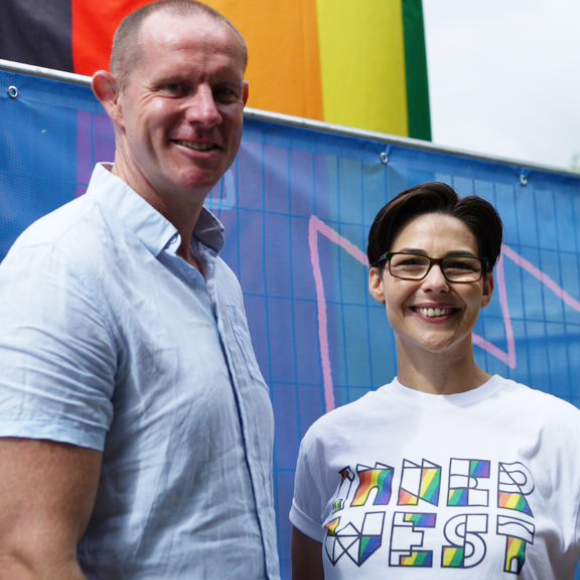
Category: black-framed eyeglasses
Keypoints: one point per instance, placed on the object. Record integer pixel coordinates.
(459, 268)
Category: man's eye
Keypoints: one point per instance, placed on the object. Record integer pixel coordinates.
(174, 88)
(225, 95)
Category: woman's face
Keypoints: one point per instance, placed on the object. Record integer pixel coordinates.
(432, 315)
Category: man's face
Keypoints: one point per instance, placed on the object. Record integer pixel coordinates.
(180, 111)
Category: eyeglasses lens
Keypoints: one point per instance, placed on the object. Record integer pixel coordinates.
(416, 267)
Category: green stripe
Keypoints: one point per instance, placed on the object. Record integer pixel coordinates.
(416, 71)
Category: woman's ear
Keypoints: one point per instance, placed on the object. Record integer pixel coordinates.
(376, 284)
(488, 285)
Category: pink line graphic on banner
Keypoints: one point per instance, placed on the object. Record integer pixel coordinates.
(509, 357)
(543, 278)
(317, 228)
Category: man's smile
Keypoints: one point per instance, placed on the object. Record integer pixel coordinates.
(196, 145)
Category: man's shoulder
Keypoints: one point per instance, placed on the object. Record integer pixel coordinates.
(62, 247)
(65, 226)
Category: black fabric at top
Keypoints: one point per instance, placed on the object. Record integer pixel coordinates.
(37, 32)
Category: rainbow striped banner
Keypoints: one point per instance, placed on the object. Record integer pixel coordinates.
(355, 63)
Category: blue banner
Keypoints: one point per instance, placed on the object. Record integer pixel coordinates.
(297, 206)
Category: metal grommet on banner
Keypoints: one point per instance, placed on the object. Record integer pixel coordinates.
(384, 155)
(12, 92)
(524, 173)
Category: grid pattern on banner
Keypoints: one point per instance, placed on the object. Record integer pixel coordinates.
(297, 206)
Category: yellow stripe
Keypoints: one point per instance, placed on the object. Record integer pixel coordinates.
(363, 64)
(448, 556)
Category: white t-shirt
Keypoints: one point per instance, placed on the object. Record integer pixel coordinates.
(484, 484)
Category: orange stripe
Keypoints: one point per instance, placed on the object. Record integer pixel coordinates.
(282, 37)
(284, 64)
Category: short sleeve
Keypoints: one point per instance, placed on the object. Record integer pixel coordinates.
(306, 510)
(576, 483)
(56, 353)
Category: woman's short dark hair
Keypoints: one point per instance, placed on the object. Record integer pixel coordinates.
(475, 212)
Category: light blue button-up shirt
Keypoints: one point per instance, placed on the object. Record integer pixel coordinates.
(109, 340)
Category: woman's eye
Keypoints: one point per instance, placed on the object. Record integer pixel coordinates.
(410, 263)
(462, 265)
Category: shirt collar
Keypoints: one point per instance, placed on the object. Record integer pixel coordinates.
(152, 228)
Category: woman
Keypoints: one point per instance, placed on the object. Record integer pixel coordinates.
(446, 472)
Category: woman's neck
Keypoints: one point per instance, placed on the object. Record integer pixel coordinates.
(439, 373)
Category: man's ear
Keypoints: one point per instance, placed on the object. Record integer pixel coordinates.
(376, 284)
(106, 88)
(245, 92)
(488, 285)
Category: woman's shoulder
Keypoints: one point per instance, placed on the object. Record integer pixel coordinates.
(542, 403)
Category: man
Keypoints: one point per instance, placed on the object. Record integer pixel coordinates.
(136, 429)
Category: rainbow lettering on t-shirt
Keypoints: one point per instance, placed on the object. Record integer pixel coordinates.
(343, 490)
(380, 478)
(417, 560)
(331, 526)
(514, 501)
(404, 549)
(425, 487)
(367, 519)
(519, 533)
(468, 482)
(466, 547)
(357, 545)
(453, 557)
(515, 555)
(421, 520)
(515, 482)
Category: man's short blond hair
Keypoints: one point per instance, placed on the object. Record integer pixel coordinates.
(125, 52)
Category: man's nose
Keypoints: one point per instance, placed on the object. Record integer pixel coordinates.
(202, 108)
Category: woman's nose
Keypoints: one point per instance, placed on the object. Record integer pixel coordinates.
(435, 279)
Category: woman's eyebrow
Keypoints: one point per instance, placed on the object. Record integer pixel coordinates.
(451, 254)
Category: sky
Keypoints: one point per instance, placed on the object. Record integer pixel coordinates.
(504, 77)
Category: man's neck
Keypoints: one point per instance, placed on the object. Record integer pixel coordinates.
(183, 213)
